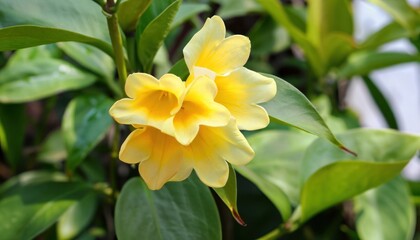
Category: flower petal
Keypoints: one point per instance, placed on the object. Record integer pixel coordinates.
(165, 158)
(204, 41)
(199, 108)
(240, 91)
(138, 82)
(135, 148)
(214, 145)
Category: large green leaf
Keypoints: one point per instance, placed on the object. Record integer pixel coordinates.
(291, 107)
(40, 78)
(228, 194)
(27, 210)
(51, 21)
(129, 12)
(12, 132)
(364, 62)
(85, 123)
(77, 217)
(182, 210)
(53, 149)
(276, 166)
(154, 33)
(385, 213)
(332, 176)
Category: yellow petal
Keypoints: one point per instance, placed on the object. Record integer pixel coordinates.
(135, 148)
(231, 53)
(215, 145)
(153, 101)
(199, 108)
(164, 160)
(240, 91)
(204, 41)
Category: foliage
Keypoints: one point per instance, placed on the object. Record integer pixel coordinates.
(315, 173)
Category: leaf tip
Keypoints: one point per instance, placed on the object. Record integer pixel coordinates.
(238, 218)
(348, 151)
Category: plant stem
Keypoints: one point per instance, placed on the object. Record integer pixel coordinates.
(116, 40)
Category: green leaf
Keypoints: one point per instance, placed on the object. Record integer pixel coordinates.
(22, 56)
(31, 177)
(32, 208)
(187, 11)
(234, 8)
(53, 148)
(51, 21)
(327, 17)
(95, 60)
(381, 103)
(332, 176)
(337, 47)
(385, 213)
(291, 107)
(85, 123)
(276, 165)
(77, 217)
(154, 33)
(129, 12)
(401, 11)
(228, 194)
(180, 69)
(364, 62)
(181, 210)
(12, 132)
(279, 14)
(267, 37)
(40, 78)
(388, 33)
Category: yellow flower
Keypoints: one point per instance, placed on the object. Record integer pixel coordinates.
(240, 90)
(162, 158)
(151, 102)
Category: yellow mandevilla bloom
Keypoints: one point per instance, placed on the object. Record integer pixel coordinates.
(194, 125)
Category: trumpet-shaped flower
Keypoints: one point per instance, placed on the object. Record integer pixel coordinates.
(151, 102)
(240, 90)
(162, 158)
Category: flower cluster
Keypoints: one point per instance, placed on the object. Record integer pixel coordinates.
(195, 125)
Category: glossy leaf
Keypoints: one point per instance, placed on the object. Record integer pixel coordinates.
(381, 103)
(187, 11)
(332, 176)
(32, 208)
(22, 56)
(362, 63)
(85, 123)
(50, 21)
(385, 213)
(40, 78)
(77, 217)
(228, 194)
(180, 69)
(129, 12)
(181, 210)
(276, 166)
(291, 107)
(153, 35)
(12, 132)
